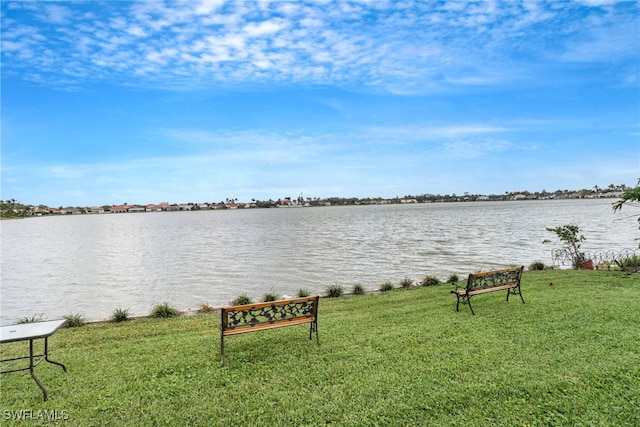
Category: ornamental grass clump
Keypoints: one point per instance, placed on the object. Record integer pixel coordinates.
(205, 308)
(334, 291)
(385, 287)
(357, 289)
(453, 278)
(631, 262)
(270, 296)
(406, 283)
(242, 300)
(303, 293)
(430, 281)
(75, 320)
(120, 315)
(33, 319)
(537, 266)
(162, 311)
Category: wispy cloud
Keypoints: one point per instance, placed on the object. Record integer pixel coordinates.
(414, 47)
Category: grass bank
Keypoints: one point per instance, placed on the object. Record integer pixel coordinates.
(569, 356)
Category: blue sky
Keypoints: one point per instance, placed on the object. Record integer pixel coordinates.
(187, 101)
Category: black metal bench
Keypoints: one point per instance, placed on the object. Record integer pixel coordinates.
(240, 319)
(490, 281)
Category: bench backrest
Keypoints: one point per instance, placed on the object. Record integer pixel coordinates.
(490, 279)
(266, 315)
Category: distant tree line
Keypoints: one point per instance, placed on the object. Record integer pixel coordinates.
(12, 208)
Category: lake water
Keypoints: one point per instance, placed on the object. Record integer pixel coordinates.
(93, 264)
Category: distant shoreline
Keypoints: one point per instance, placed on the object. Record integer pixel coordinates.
(12, 209)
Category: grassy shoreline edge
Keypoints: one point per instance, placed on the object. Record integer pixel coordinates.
(570, 355)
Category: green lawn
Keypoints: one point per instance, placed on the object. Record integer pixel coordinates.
(569, 356)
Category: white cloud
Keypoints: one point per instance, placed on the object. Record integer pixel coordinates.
(257, 29)
(465, 149)
(415, 47)
(607, 42)
(207, 6)
(57, 14)
(431, 133)
(137, 31)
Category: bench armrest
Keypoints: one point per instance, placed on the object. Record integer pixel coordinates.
(458, 285)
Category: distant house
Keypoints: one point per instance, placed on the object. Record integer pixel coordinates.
(120, 209)
(95, 210)
(164, 206)
(613, 194)
(286, 202)
(70, 211)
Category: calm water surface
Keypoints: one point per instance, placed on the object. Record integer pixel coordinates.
(93, 264)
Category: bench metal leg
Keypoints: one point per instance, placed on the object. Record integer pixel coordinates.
(515, 291)
(224, 359)
(466, 299)
(314, 328)
(469, 302)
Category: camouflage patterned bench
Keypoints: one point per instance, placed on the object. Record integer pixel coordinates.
(240, 319)
(490, 281)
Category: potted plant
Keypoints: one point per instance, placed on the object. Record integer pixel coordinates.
(572, 239)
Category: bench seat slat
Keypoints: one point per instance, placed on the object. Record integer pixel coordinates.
(488, 289)
(268, 325)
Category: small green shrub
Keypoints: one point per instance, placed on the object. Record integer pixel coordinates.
(205, 308)
(385, 287)
(430, 281)
(164, 311)
(120, 315)
(536, 265)
(334, 291)
(242, 299)
(357, 289)
(406, 283)
(33, 319)
(270, 296)
(303, 293)
(453, 278)
(74, 320)
(630, 262)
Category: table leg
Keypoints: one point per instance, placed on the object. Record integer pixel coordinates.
(33, 375)
(46, 354)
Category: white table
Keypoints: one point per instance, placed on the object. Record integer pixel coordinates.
(30, 332)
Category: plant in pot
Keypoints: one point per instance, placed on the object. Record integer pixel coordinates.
(571, 239)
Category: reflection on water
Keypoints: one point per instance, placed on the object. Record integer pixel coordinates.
(93, 264)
